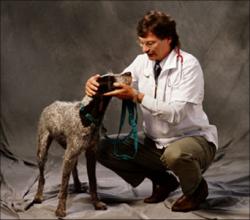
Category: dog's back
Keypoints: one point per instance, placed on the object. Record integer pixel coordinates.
(61, 120)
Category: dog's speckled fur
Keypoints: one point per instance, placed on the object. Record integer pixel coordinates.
(63, 122)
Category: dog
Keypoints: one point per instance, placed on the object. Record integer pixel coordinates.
(76, 127)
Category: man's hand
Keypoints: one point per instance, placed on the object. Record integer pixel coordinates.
(92, 85)
(124, 91)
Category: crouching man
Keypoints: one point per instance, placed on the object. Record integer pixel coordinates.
(179, 142)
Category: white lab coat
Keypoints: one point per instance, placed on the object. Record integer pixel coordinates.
(177, 111)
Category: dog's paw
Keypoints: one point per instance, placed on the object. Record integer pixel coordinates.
(100, 206)
(60, 213)
(38, 199)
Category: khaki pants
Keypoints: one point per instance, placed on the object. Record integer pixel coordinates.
(187, 158)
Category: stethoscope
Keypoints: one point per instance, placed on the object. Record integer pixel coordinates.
(180, 65)
(176, 82)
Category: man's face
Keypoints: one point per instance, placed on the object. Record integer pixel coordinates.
(155, 48)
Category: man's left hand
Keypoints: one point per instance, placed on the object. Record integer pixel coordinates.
(122, 91)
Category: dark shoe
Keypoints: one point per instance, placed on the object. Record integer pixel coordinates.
(192, 202)
(161, 191)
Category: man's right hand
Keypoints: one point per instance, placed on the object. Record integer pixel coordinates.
(92, 85)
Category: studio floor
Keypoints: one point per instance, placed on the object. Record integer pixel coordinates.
(228, 182)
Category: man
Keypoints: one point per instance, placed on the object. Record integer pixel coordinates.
(179, 143)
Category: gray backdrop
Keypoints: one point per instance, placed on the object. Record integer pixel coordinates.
(50, 48)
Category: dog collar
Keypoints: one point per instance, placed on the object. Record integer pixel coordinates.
(88, 116)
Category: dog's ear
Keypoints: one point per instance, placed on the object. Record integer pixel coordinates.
(106, 84)
(84, 110)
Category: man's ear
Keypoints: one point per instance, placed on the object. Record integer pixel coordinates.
(168, 39)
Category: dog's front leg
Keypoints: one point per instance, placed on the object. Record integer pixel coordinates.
(68, 165)
(77, 184)
(91, 170)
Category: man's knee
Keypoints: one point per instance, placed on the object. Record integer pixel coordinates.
(171, 157)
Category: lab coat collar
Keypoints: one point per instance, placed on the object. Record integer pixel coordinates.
(170, 61)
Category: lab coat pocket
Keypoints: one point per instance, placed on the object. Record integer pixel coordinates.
(146, 83)
(174, 79)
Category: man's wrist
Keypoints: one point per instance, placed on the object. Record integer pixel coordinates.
(137, 97)
(140, 97)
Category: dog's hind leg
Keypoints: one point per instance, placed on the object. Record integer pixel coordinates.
(44, 141)
(91, 170)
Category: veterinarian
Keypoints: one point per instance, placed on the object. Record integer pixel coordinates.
(179, 144)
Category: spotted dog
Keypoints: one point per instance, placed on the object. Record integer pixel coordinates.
(75, 126)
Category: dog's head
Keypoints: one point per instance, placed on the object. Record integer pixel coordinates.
(106, 81)
(94, 107)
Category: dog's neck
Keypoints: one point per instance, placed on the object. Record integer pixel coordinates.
(86, 100)
(94, 109)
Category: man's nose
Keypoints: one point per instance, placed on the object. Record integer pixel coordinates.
(145, 49)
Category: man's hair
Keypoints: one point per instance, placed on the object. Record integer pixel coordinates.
(161, 25)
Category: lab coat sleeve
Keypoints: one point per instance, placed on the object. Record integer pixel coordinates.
(191, 86)
(173, 113)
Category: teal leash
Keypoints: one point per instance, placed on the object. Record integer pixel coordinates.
(131, 107)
